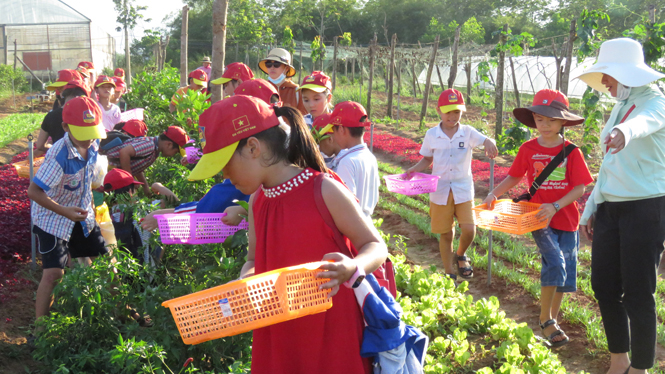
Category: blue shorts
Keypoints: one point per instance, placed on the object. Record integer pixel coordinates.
(558, 250)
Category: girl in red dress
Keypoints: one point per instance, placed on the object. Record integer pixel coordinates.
(279, 164)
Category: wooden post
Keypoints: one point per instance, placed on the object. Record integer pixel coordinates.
(517, 91)
(360, 69)
(334, 67)
(372, 46)
(428, 83)
(164, 47)
(467, 70)
(453, 66)
(572, 36)
(399, 86)
(300, 70)
(438, 73)
(346, 68)
(652, 13)
(557, 61)
(353, 69)
(393, 42)
(15, 54)
(128, 63)
(219, 19)
(413, 74)
(184, 34)
(498, 100)
(6, 52)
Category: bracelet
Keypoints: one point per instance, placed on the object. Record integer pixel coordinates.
(492, 193)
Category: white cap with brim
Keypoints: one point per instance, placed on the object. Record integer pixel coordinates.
(623, 60)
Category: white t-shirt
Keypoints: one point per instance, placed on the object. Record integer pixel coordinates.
(110, 117)
(452, 162)
(359, 170)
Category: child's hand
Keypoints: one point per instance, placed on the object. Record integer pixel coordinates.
(149, 223)
(490, 148)
(339, 271)
(183, 161)
(546, 210)
(233, 215)
(409, 172)
(489, 200)
(75, 213)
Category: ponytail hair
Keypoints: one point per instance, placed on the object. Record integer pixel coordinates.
(296, 146)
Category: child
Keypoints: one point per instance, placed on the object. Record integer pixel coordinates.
(136, 155)
(558, 243)
(316, 91)
(72, 87)
(233, 76)
(134, 128)
(245, 139)
(322, 131)
(258, 88)
(120, 88)
(355, 164)
(105, 89)
(120, 183)
(450, 147)
(197, 81)
(279, 69)
(62, 209)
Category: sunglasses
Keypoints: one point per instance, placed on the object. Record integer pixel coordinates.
(273, 64)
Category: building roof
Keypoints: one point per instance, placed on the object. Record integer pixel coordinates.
(22, 12)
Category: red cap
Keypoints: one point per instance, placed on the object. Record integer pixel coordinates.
(86, 64)
(349, 114)
(119, 72)
(119, 82)
(84, 118)
(104, 79)
(257, 88)
(118, 178)
(322, 124)
(317, 81)
(78, 83)
(450, 100)
(83, 71)
(64, 77)
(177, 134)
(136, 128)
(199, 77)
(223, 125)
(235, 71)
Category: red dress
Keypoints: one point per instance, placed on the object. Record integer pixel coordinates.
(290, 231)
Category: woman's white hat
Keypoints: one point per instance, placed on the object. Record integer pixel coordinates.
(279, 55)
(623, 60)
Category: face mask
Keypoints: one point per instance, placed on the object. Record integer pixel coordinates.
(279, 79)
(622, 92)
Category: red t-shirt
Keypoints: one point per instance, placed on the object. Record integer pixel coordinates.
(532, 158)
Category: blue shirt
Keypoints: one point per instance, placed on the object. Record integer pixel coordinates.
(66, 178)
(219, 198)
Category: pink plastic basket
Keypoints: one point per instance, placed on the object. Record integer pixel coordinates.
(418, 184)
(195, 228)
(193, 155)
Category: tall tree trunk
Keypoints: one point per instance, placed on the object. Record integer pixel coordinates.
(428, 83)
(467, 70)
(572, 36)
(219, 15)
(184, 34)
(498, 101)
(391, 73)
(128, 61)
(453, 66)
(517, 91)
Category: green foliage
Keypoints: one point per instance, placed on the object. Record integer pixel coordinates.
(345, 39)
(593, 113)
(514, 43)
(11, 78)
(587, 31)
(287, 40)
(472, 31)
(483, 75)
(173, 176)
(512, 138)
(129, 14)
(189, 108)
(652, 37)
(16, 126)
(152, 91)
(318, 50)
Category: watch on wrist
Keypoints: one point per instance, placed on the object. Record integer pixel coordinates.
(356, 279)
(556, 206)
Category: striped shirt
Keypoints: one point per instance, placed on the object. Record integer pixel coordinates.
(146, 153)
(66, 178)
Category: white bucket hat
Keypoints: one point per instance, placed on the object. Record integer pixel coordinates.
(280, 55)
(623, 60)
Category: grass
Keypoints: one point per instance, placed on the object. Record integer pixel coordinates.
(16, 126)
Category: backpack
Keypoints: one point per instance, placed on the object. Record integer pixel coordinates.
(113, 139)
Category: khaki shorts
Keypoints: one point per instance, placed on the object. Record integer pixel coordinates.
(442, 215)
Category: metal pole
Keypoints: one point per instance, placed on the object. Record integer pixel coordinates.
(33, 265)
(489, 247)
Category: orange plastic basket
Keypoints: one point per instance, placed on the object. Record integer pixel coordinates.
(247, 304)
(507, 216)
(23, 167)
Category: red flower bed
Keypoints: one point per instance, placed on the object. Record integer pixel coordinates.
(409, 151)
(14, 225)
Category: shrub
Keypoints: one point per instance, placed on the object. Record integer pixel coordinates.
(152, 91)
(8, 75)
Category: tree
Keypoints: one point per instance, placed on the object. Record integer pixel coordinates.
(128, 16)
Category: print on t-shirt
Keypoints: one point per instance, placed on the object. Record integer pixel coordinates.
(555, 180)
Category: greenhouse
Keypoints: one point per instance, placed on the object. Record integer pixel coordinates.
(49, 35)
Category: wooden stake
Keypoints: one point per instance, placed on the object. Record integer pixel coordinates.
(453, 66)
(498, 100)
(399, 86)
(393, 42)
(517, 91)
(372, 46)
(428, 83)
(128, 62)
(438, 73)
(300, 70)
(334, 67)
(558, 59)
(467, 70)
(236, 59)
(565, 77)
(184, 35)
(415, 85)
(219, 19)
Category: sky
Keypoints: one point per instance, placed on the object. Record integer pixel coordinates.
(102, 13)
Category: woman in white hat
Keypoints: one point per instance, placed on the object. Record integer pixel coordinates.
(280, 70)
(625, 214)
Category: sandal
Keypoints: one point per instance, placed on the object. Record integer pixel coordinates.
(465, 272)
(550, 339)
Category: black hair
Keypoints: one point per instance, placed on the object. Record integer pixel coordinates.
(119, 126)
(115, 194)
(189, 80)
(301, 150)
(74, 92)
(357, 132)
(163, 137)
(274, 98)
